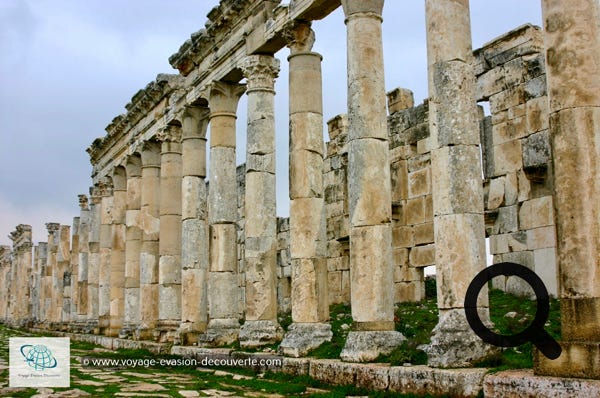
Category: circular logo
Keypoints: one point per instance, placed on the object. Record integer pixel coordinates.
(38, 357)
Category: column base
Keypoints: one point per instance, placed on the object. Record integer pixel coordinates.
(578, 359)
(188, 332)
(127, 331)
(144, 332)
(220, 332)
(453, 342)
(255, 334)
(167, 332)
(304, 337)
(363, 346)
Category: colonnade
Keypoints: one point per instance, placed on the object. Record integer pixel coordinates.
(157, 247)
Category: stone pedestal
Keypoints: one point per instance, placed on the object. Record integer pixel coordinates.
(223, 286)
(194, 244)
(169, 247)
(310, 308)
(572, 37)
(456, 181)
(149, 223)
(260, 326)
(369, 187)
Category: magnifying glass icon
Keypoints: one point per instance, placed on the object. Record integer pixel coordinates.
(534, 332)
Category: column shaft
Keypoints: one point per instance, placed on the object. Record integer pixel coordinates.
(82, 280)
(117, 254)
(94, 259)
(572, 38)
(369, 187)
(105, 256)
(261, 326)
(223, 284)
(150, 224)
(133, 245)
(310, 308)
(456, 180)
(169, 268)
(194, 244)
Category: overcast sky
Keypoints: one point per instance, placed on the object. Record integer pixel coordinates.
(68, 67)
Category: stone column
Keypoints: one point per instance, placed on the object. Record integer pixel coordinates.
(169, 246)
(260, 326)
(150, 225)
(133, 244)
(63, 277)
(82, 278)
(5, 253)
(223, 289)
(369, 188)
(456, 181)
(117, 253)
(51, 283)
(21, 264)
(74, 275)
(572, 38)
(310, 310)
(194, 244)
(42, 258)
(94, 260)
(106, 205)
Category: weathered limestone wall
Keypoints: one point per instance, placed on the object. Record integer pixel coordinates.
(517, 163)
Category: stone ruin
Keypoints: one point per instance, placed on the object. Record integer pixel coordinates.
(162, 251)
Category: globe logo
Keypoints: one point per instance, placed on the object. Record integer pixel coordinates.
(38, 357)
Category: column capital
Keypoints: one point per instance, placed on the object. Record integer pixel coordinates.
(83, 201)
(261, 71)
(299, 36)
(150, 153)
(52, 227)
(352, 7)
(103, 187)
(133, 165)
(195, 122)
(224, 97)
(170, 133)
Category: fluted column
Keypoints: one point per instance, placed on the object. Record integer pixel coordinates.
(82, 279)
(150, 224)
(94, 259)
(194, 239)
(369, 187)
(310, 309)
(223, 286)
(117, 254)
(572, 37)
(133, 245)
(260, 326)
(169, 246)
(106, 191)
(456, 181)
